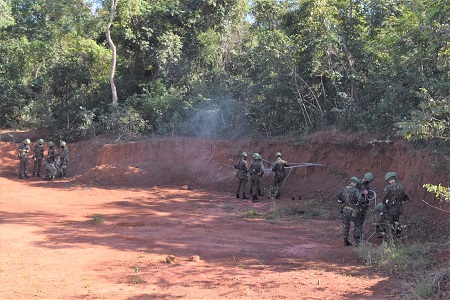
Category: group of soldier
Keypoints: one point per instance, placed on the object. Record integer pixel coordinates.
(356, 198)
(254, 171)
(55, 163)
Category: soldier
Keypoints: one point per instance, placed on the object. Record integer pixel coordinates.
(351, 197)
(23, 152)
(367, 194)
(393, 199)
(50, 169)
(52, 152)
(242, 175)
(64, 159)
(256, 172)
(280, 174)
(38, 155)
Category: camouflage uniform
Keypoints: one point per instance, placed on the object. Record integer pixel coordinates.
(280, 175)
(50, 169)
(38, 155)
(23, 152)
(242, 176)
(351, 197)
(256, 172)
(393, 199)
(364, 186)
(52, 153)
(64, 161)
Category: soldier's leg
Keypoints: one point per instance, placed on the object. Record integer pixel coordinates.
(346, 219)
(244, 186)
(358, 231)
(238, 187)
(21, 167)
(26, 168)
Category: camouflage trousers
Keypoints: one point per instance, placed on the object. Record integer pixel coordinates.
(255, 185)
(37, 167)
(63, 170)
(277, 185)
(23, 168)
(389, 225)
(242, 185)
(347, 218)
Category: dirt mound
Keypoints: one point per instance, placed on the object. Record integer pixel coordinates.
(206, 164)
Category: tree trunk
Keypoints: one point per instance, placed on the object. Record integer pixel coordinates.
(114, 54)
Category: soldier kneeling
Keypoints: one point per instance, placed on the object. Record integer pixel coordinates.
(50, 170)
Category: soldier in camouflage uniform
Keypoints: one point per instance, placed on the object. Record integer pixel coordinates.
(256, 172)
(352, 200)
(280, 175)
(393, 199)
(38, 155)
(23, 152)
(50, 169)
(367, 194)
(52, 152)
(242, 175)
(64, 160)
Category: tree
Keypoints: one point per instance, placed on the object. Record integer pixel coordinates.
(114, 52)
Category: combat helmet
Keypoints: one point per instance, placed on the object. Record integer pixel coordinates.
(278, 154)
(355, 179)
(40, 141)
(26, 141)
(257, 156)
(244, 154)
(62, 144)
(389, 175)
(379, 207)
(51, 144)
(368, 177)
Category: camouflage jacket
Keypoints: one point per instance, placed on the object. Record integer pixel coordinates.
(351, 197)
(278, 167)
(65, 155)
(52, 153)
(364, 186)
(257, 168)
(394, 195)
(23, 151)
(38, 151)
(242, 167)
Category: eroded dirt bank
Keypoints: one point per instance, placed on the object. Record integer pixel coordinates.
(175, 196)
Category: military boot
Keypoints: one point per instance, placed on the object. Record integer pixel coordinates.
(347, 242)
(255, 199)
(237, 196)
(244, 197)
(34, 174)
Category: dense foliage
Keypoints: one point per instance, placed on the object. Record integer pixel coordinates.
(223, 68)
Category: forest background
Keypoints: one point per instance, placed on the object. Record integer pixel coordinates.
(225, 69)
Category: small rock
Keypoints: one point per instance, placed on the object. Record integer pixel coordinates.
(194, 258)
(170, 259)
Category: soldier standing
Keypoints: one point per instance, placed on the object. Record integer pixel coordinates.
(38, 155)
(242, 175)
(351, 197)
(280, 175)
(23, 152)
(393, 199)
(367, 194)
(64, 159)
(256, 172)
(52, 152)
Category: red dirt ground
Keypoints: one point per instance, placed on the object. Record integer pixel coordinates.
(175, 196)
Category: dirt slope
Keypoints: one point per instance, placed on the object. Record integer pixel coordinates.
(175, 196)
